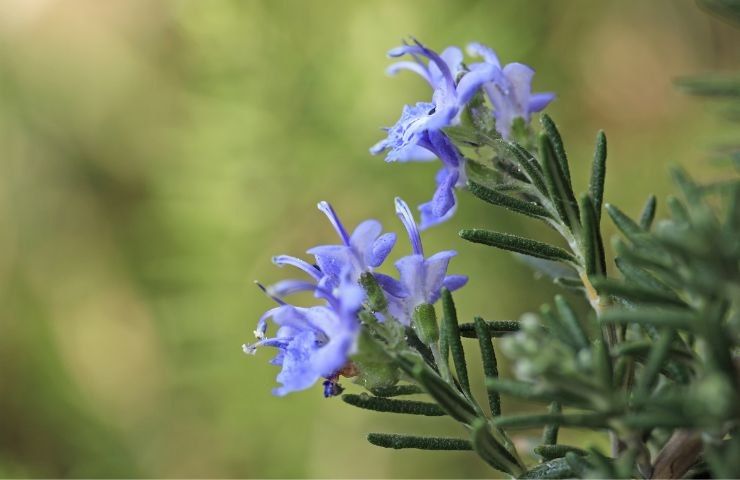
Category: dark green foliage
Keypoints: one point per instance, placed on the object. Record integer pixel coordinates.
(390, 440)
(514, 204)
(396, 391)
(558, 184)
(517, 244)
(557, 143)
(653, 359)
(453, 339)
(449, 400)
(550, 432)
(491, 451)
(598, 175)
(490, 367)
(593, 247)
(496, 328)
(633, 292)
(648, 213)
(381, 404)
(550, 452)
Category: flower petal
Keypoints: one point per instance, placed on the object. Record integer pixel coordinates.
(538, 101)
(455, 282)
(391, 285)
(365, 235)
(380, 250)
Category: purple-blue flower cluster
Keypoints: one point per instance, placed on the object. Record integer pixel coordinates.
(318, 342)
(418, 135)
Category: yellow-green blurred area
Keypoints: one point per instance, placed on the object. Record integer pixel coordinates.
(155, 155)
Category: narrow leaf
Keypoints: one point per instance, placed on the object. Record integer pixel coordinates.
(519, 389)
(507, 201)
(380, 404)
(678, 209)
(396, 390)
(517, 244)
(496, 328)
(641, 277)
(527, 163)
(391, 440)
(550, 432)
(569, 321)
(593, 245)
(598, 175)
(678, 318)
(636, 293)
(452, 331)
(551, 452)
(451, 402)
(648, 213)
(557, 142)
(590, 420)
(558, 184)
(490, 366)
(655, 362)
(625, 224)
(491, 451)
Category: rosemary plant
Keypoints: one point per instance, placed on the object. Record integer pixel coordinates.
(656, 362)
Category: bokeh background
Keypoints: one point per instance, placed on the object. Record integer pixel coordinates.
(155, 155)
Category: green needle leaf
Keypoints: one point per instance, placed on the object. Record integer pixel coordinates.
(491, 451)
(452, 402)
(625, 224)
(514, 243)
(557, 142)
(678, 318)
(588, 420)
(558, 184)
(635, 292)
(527, 163)
(598, 175)
(570, 322)
(593, 245)
(380, 404)
(550, 432)
(655, 362)
(396, 390)
(648, 213)
(490, 366)
(496, 328)
(452, 331)
(507, 201)
(551, 452)
(391, 440)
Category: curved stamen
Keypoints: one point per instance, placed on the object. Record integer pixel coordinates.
(404, 213)
(259, 331)
(281, 260)
(334, 219)
(266, 292)
(420, 49)
(288, 287)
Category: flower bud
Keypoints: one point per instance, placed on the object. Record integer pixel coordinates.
(376, 300)
(425, 323)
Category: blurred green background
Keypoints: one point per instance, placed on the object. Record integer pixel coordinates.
(155, 155)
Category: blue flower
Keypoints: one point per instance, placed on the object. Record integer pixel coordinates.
(420, 279)
(511, 93)
(418, 133)
(314, 342)
(360, 252)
